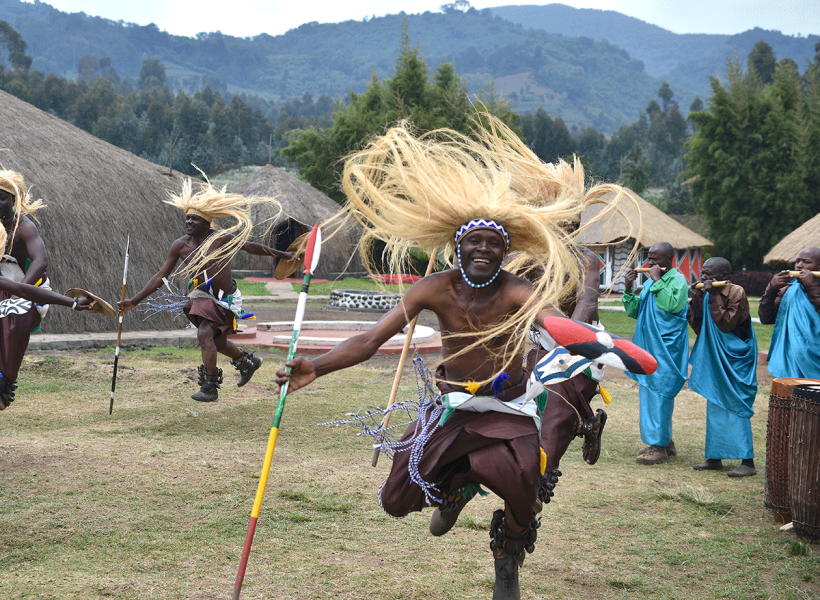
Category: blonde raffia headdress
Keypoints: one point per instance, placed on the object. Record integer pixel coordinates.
(413, 192)
(211, 203)
(14, 183)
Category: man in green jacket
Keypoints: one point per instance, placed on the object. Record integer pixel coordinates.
(660, 309)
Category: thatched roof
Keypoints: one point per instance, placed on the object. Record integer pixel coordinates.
(787, 249)
(96, 195)
(657, 226)
(303, 206)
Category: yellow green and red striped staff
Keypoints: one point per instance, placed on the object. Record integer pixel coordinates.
(314, 247)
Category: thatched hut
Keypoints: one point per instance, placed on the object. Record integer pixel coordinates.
(610, 238)
(786, 250)
(303, 206)
(96, 195)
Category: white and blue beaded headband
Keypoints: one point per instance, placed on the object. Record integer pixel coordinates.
(482, 224)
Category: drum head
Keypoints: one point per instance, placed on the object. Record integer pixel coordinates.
(784, 386)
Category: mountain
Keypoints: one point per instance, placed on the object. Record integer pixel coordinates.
(684, 60)
(590, 67)
(583, 81)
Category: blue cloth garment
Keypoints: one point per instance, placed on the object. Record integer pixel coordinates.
(664, 336)
(795, 347)
(724, 371)
(655, 417)
(727, 435)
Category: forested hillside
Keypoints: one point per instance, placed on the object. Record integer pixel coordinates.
(584, 82)
(686, 61)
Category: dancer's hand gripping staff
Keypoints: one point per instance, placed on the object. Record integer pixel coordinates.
(314, 246)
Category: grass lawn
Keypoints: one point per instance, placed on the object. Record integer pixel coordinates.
(252, 288)
(154, 500)
(348, 283)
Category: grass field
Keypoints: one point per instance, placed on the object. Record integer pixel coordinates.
(154, 500)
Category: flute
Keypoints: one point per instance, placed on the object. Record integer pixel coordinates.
(797, 273)
(700, 286)
(646, 270)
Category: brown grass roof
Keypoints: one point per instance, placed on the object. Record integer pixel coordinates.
(306, 205)
(787, 249)
(96, 194)
(657, 226)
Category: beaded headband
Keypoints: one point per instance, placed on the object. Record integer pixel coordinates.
(482, 224)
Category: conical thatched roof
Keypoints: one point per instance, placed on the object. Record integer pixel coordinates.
(657, 226)
(787, 249)
(303, 206)
(96, 195)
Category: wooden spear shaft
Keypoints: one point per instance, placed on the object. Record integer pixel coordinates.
(119, 328)
(400, 369)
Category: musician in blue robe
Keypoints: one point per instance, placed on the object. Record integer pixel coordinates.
(660, 310)
(793, 305)
(724, 367)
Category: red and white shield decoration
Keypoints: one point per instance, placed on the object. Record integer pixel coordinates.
(599, 346)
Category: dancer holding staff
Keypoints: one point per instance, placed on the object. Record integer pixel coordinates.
(475, 197)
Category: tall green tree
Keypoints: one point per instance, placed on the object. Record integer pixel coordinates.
(409, 94)
(750, 164)
(13, 49)
(762, 62)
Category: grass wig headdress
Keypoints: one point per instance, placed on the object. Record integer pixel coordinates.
(14, 183)
(211, 203)
(413, 192)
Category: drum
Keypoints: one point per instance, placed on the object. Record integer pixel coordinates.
(804, 461)
(776, 487)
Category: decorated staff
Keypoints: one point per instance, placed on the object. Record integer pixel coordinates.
(314, 247)
(400, 368)
(119, 327)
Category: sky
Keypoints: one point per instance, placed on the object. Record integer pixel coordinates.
(246, 18)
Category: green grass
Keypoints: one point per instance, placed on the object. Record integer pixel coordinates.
(154, 500)
(348, 283)
(252, 288)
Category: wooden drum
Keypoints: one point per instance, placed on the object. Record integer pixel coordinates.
(804, 461)
(776, 490)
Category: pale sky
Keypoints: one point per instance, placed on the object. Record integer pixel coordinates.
(244, 18)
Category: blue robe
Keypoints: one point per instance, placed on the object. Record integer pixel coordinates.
(795, 347)
(664, 335)
(724, 371)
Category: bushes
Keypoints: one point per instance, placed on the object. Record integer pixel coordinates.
(754, 282)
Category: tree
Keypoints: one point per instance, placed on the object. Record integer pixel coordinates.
(749, 163)
(410, 94)
(762, 62)
(152, 74)
(13, 49)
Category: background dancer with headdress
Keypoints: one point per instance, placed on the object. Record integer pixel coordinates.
(444, 190)
(214, 300)
(660, 310)
(793, 305)
(18, 300)
(23, 260)
(724, 367)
